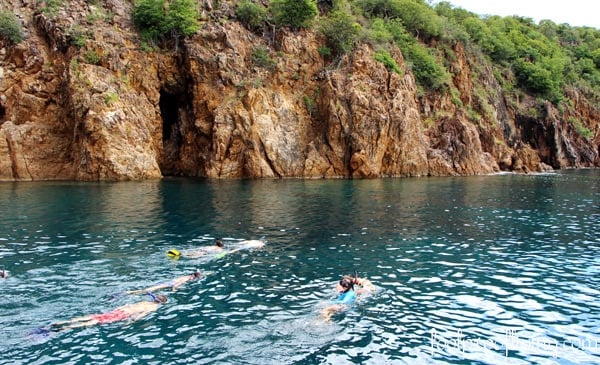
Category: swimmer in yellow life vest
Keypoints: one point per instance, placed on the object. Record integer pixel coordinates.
(199, 252)
(218, 249)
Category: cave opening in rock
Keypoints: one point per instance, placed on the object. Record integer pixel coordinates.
(169, 105)
(172, 107)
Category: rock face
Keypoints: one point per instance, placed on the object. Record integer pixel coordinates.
(106, 109)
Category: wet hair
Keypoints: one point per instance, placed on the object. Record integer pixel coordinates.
(197, 274)
(347, 282)
(160, 298)
(219, 243)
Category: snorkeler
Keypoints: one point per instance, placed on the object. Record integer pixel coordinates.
(218, 250)
(347, 295)
(202, 251)
(174, 284)
(132, 312)
(248, 244)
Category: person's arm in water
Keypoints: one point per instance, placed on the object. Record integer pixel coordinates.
(173, 284)
(366, 286)
(244, 245)
(151, 289)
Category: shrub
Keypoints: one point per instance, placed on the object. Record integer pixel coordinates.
(10, 27)
(581, 129)
(110, 97)
(388, 61)
(341, 31)
(92, 57)
(310, 103)
(416, 16)
(251, 15)
(541, 79)
(165, 19)
(294, 13)
(52, 7)
(261, 58)
(77, 36)
(324, 51)
(379, 33)
(429, 73)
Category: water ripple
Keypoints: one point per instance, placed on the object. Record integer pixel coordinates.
(497, 269)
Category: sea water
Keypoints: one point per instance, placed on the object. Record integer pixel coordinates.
(496, 269)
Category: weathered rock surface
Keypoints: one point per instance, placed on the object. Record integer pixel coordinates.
(109, 110)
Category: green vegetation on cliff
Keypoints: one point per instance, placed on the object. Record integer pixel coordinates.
(538, 59)
(165, 20)
(10, 28)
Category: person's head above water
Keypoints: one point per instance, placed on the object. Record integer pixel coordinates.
(160, 298)
(197, 274)
(346, 283)
(219, 243)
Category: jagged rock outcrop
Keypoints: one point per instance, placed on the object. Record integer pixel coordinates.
(109, 110)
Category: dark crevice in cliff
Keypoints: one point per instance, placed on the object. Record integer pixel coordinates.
(540, 136)
(172, 109)
(169, 105)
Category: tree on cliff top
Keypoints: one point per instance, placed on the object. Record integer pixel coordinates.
(165, 20)
(341, 31)
(293, 13)
(250, 14)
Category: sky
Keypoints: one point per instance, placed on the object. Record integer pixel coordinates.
(573, 12)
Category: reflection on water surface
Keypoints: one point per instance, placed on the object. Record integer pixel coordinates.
(494, 269)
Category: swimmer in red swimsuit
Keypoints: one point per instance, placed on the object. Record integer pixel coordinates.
(114, 316)
(131, 312)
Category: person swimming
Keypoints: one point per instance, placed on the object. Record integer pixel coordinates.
(217, 250)
(174, 284)
(132, 312)
(199, 252)
(346, 294)
(3, 273)
(245, 245)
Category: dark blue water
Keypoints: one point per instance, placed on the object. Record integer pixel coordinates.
(477, 270)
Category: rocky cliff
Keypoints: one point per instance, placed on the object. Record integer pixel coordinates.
(82, 99)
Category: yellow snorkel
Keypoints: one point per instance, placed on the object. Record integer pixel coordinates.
(173, 253)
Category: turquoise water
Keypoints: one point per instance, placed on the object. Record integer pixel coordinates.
(475, 270)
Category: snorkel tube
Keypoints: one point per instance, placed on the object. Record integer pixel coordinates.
(173, 253)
